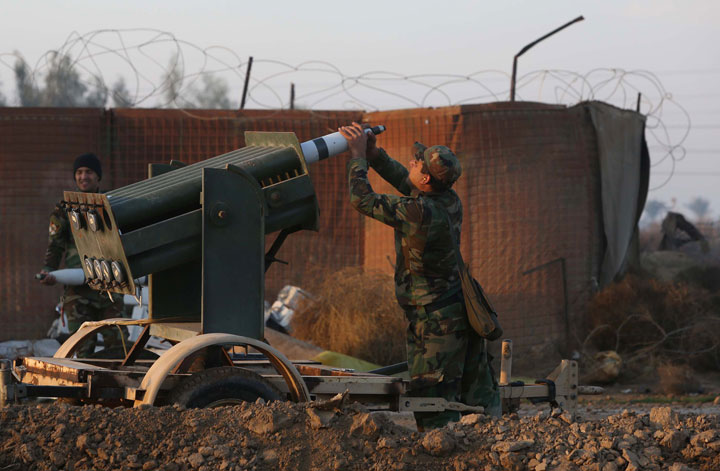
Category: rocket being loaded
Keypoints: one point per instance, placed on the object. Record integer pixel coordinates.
(330, 145)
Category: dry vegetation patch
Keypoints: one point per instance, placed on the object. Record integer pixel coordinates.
(650, 321)
(354, 313)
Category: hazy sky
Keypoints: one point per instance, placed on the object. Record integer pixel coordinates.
(675, 40)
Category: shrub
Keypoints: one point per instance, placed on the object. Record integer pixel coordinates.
(648, 320)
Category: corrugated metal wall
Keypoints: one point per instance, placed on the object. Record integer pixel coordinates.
(529, 188)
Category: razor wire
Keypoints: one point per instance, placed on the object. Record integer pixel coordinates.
(165, 71)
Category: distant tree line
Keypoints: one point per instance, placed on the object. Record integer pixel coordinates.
(63, 86)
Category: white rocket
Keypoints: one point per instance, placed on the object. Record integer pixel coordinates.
(330, 145)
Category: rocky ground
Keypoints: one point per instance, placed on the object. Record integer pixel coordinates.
(340, 436)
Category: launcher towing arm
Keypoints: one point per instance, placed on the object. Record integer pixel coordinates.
(198, 233)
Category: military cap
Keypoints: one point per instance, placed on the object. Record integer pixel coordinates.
(419, 150)
(442, 164)
(90, 161)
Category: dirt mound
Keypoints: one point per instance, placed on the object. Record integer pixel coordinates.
(355, 313)
(286, 436)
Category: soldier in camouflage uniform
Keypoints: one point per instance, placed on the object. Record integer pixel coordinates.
(81, 303)
(446, 358)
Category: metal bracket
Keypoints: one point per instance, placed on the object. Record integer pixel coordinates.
(565, 377)
(12, 393)
(434, 404)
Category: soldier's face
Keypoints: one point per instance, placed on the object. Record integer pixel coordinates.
(416, 177)
(87, 180)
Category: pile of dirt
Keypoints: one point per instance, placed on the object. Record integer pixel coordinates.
(287, 436)
(354, 313)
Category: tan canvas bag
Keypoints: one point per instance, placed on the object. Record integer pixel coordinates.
(481, 313)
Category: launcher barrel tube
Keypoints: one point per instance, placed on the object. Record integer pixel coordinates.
(178, 192)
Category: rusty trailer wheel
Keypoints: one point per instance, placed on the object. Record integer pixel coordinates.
(223, 386)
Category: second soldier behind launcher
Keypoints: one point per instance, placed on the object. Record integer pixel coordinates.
(81, 303)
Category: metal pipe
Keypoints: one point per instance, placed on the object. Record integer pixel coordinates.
(523, 50)
(168, 179)
(391, 369)
(5, 381)
(247, 81)
(566, 308)
(136, 209)
(162, 258)
(506, 362)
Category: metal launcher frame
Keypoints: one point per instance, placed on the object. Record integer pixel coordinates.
(198, 231)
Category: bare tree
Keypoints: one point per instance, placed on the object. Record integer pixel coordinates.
(63, 85)
(27, 91)
(214, 94)
(700, 206)
(173, 82)
(97, 96)
(653, 208)
(120, 94)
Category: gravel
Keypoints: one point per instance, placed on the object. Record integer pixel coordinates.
(288, 436)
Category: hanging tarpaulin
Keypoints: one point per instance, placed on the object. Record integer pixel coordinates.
(620, 141)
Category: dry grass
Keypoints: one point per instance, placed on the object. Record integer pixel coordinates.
(649, 321)
(677, 379)
(355, 313)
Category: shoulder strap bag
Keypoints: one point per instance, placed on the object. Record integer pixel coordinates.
(481, 313)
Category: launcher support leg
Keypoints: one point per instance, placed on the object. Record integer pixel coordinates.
(560, 388)
(565, 377)
(506, 362)
(6, 381)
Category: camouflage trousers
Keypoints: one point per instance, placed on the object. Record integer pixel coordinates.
(79, 308)
(447, 359)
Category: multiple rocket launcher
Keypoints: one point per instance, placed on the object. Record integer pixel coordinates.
(158, 223)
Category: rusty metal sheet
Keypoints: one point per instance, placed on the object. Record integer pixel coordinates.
(177, 331)
(54, 371)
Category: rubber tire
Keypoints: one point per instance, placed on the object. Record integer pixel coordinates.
(229, 383)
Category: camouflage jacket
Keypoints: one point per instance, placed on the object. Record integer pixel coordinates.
(425, 268)
(60, 242)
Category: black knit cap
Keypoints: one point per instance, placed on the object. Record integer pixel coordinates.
(90, 161)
